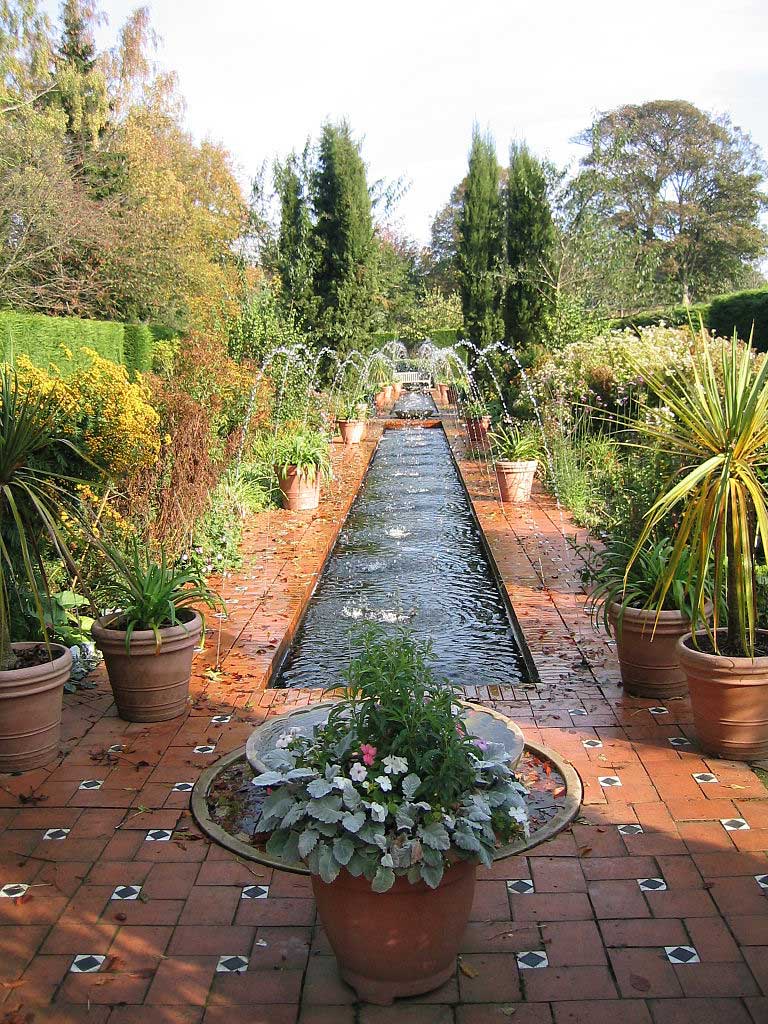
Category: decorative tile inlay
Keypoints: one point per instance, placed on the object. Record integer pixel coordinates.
(182, 787)
(734, 824)
(577, 712)
(12, 890)
(762, 881)
(232, 964)
(56, 833)
(221, 719)
(659, 710)
(158, 835)
(591, 744)
(520, 885)
(126, 892)
(682, 955)
(704, 777)
(254, 892)
(630, 830)
(652, 884)
(679, 741)
(205, 748)
(91, 784)
(607, 781)
(86, 963)
(530, 959)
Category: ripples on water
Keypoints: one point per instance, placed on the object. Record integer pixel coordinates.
(408, 554)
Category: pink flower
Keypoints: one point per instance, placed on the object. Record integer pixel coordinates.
(368, 753)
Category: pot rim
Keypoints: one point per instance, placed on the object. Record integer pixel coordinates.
(649, 614)
(352, 421)
(37, 671)
(758, 665)
(521, 465)
(148, 634)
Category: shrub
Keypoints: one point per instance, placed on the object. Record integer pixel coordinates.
(740, 312)
(63, 342)
(138, 344)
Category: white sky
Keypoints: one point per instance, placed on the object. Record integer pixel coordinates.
(261, 75)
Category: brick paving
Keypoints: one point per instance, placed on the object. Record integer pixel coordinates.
(647, 909)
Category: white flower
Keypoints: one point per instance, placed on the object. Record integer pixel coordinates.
(358, 772)
(378, 812)
(386, 861)
(394, 765)
(283, 740)
(384, 783)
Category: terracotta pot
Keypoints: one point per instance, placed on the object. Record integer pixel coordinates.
(30, 711)
(442, 390)
(380, 400)
(397, 389)
(516, 479)
(150, 684)
(389, 394)
(649, 660)
(477, 428)
(299, 494)
(398, 943)
(453, 395)
(352, 431)
(729, 698)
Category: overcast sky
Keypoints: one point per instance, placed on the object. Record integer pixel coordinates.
(412, 76)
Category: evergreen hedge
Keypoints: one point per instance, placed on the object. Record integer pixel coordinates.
(138, 343)
(746, 312)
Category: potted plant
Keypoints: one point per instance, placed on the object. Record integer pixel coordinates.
(716, 424)
(515, 453)
(351, 420)
(34, 498)
(391, 805)
(302, 461)
(646, 638)
(478, 421)
(149, 641)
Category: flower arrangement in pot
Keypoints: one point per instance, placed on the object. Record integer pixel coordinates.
(477, 420)
(516, 451)
(391, 805)
(35, 499)
(302, 462)
(716, 424)
(351, 419)
(621, 595)
(149, 641)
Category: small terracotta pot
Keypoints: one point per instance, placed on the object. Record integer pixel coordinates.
(397, 389)
(649, 660)
(442, 390)
(299, 494)
(453, 395)
(729, 698)
(30, 710)
(389, 394)
(477, 428)
(516, 479)
(352, 431)
(398, 943)
(380, 400)
(150, 684)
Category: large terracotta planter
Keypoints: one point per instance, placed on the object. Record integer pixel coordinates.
(398, 943)
(150, 684)
(649, 660)
(380, 400)
(515, 479)
(299, 494)
(352, 431)
(477, 428)
(30, 711)
(729, 698)
(397, 390)
(389, 394)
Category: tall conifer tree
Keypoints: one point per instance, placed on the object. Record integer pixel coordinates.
(295, 249)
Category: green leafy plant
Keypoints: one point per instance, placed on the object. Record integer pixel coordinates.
(150, 595)
(515, 443)
(306, 451)
(34, 501)
(717, 425)
(392, 785)
(475, 409)
(352, 408)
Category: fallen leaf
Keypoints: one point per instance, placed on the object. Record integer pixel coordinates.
(584, 851)
(13, 984)
(470, 972)
(638, 983)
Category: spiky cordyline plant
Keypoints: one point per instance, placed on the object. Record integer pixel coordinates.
(32, 499)
(717, 426)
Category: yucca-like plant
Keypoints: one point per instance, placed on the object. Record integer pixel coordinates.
(717, 426)
(514, 443)
(307, 451)
(32, 500)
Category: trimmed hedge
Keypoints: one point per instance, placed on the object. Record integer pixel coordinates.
(744, 312)
(676, 316)
(138, 344)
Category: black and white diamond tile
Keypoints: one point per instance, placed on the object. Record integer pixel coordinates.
(254, 892)
(734, 824)
(659, 710)
(158, 835)
(86, 963)
(204, 748)
(183, 787)
(126, 892)
(682, 955)
(531, 959)
(652, 884)
(91, 784)
(679, 741)
(577, 712)
(591, 744)
(522, 886)
(630, 829)
(704, 777)
(56, 833)
(12, 890)
(762, 881)
(221, 719)
(609, 781)
(232, 964)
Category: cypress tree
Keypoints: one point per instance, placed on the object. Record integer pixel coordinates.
(529, 241)
(295, 252)
(480, 243)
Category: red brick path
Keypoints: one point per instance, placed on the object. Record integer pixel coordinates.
(603, 935)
